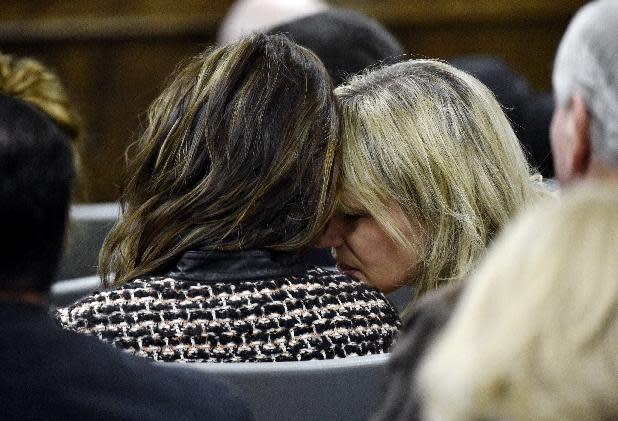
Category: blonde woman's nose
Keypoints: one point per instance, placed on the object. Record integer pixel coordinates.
(333, 235)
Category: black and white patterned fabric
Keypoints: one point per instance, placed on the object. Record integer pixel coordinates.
(317, 314)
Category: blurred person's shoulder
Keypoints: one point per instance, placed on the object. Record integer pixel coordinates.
(58, 374)
(420, 327)
(433, 307)
(428, 316)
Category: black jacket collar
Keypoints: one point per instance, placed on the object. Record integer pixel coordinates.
(220, 266)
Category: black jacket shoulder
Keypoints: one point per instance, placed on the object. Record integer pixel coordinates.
(49, 373)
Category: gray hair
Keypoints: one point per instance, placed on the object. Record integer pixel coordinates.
(587, 64)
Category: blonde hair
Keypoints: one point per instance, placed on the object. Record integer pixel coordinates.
(434, 140)
(536, 333)
(30, 81)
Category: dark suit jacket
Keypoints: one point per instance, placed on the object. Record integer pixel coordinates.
(429, 316)
(48, 373)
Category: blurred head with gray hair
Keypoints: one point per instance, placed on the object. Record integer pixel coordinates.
(585, 124)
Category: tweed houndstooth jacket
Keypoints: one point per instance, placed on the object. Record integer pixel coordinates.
(239, 306)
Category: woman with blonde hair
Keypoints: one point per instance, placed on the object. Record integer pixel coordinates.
(233, 178)
(431, 171)
(536, 331)
(27, 80)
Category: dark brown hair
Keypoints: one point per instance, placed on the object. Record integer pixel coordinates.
(36, 172)
(239, 153)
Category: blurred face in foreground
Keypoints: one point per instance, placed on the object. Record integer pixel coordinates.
(364, 250)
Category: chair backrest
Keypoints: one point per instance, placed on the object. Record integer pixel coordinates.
(340, 389)
(88, 227)
(68, 291)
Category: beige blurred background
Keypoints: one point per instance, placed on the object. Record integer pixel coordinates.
(114, 56)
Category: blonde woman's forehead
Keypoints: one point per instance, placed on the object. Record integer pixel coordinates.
(349, 203)
(353, 203)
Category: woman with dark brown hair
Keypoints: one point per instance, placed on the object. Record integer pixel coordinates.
(232, 180)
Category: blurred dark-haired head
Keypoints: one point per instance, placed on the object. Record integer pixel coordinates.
(529, 112)
(239, 154)
(36, 171)
(347, 42)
